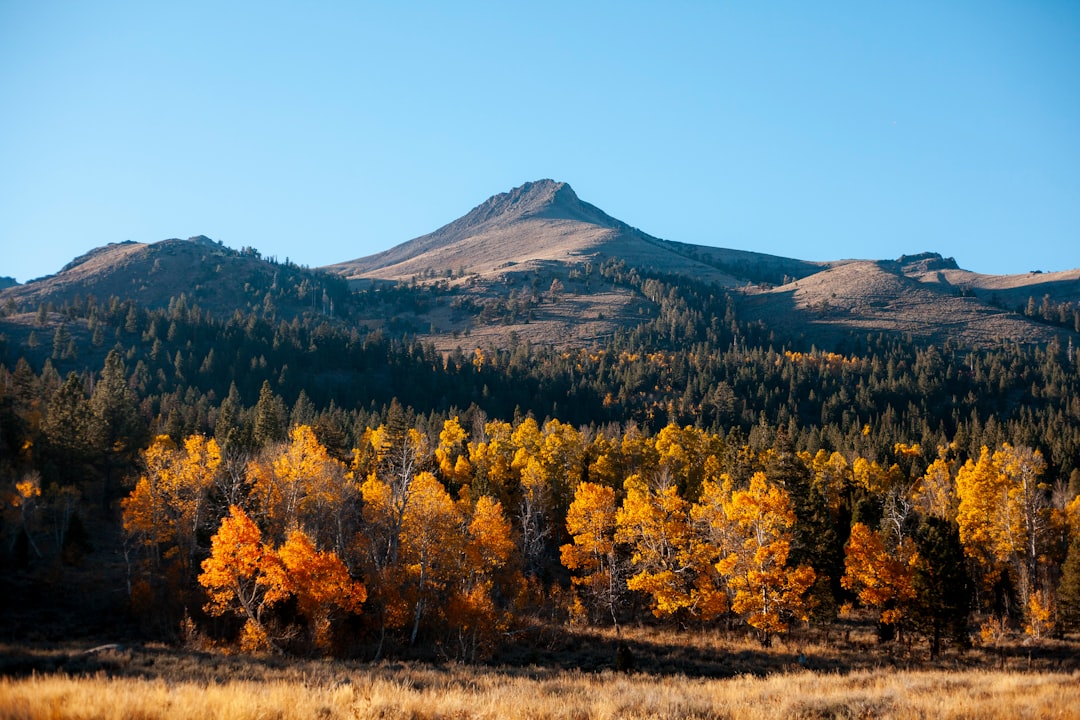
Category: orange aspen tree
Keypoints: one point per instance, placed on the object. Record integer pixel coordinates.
(880, 578)
(233, 577)
(472, 608)
(319, 581)
(590, 522)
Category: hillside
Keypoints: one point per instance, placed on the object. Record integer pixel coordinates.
(515, 244)
(888, 297)
(218, 279)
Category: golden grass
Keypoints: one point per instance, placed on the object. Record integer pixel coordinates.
(430, 692)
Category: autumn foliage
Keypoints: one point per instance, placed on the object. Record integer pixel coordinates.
(459, 540)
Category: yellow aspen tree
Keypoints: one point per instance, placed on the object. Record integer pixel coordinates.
(451, 454)
(832, 477)
(561, 453)
(534, 514)
(935, 492)
(301, 485)
(655, 524)
(590, 521)
(764, 590)
(881, 578)
(1003, 514)
(477, 619)
(491, 458)
(606, 467)
(169, 504)
(431, 545)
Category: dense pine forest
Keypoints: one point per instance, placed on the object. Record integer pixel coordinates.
(307, 484)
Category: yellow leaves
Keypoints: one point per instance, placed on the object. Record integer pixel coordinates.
(490, 544)
(590, 521)
(297, 482)
(1040, 615)
(1003, 511)
(905, 450)
(168, 502)
(655, 523)
(934, 493)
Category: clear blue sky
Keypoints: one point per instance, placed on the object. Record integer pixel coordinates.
(328, 131)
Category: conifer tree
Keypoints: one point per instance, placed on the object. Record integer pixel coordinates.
(270, 422)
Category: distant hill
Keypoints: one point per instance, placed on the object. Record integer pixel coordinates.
(218, 279)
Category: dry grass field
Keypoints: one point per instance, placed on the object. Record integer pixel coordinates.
(793, 680)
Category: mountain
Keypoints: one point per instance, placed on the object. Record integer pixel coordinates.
(905, 298)
(545, 222)
(522, 240)
(539, 264)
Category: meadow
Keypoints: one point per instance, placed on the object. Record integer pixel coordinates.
(850, 678)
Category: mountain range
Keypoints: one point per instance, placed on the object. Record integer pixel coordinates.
(537, 263)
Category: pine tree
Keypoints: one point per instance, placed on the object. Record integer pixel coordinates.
(270, 422)
(943, 591)
(1069, 589)
(118, 429)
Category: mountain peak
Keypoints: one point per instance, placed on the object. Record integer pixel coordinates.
(540, 198)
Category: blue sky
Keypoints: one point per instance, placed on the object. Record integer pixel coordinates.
(328, 131)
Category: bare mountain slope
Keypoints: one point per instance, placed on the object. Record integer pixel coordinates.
(539, 222)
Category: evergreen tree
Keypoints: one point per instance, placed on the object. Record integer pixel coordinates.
(228, 430)
(1069, 589)
(69, 432)
(119, 432)
(271, 425)
(942, 587)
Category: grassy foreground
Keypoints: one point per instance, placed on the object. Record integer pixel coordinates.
(675, 675)
(464, 692)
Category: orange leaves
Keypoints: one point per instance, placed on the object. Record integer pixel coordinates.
(316, 579)
(237, 558)
(880, 577)
(246, 576)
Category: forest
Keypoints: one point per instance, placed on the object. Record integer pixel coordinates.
(308, 486)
